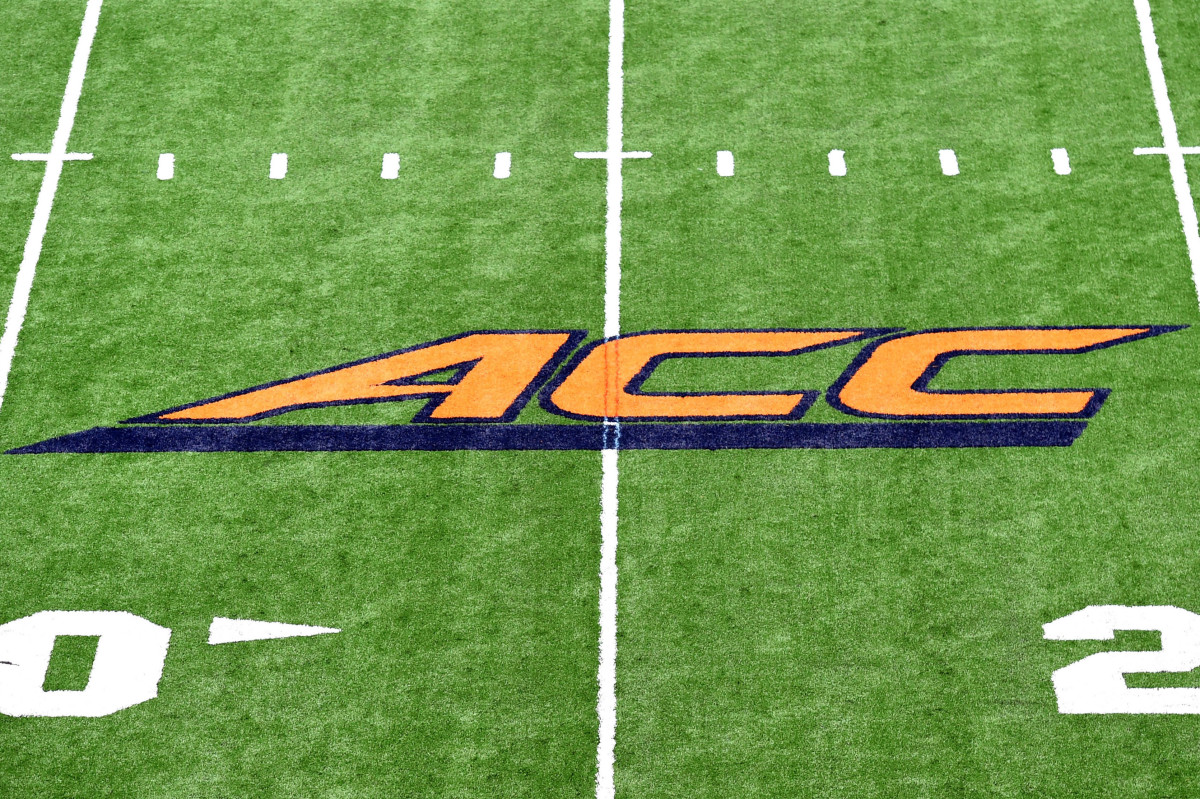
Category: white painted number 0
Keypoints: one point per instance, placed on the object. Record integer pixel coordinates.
(1096, 684)
(126, 670)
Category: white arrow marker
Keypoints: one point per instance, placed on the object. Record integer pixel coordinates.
(231, 631)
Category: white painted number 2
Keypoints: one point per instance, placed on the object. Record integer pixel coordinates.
(126, 670)
(1096, 684)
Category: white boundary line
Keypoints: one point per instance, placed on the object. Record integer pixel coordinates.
(41, 214)
(1170, 148)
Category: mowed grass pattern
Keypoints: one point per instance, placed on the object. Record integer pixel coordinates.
(793, 623)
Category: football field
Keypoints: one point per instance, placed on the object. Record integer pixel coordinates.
(623, 399)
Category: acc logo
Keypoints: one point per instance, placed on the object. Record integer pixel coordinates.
(474, 385)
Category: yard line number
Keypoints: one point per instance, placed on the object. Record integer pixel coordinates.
(1096, 684)
(131, 651)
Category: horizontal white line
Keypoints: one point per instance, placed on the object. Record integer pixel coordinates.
(48, 156)
(633, 154)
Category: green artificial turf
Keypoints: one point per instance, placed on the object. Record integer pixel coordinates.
(71, 663)
(793, 623)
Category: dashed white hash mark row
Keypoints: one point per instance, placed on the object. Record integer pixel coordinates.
(502, 168)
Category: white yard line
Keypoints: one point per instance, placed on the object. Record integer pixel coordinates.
(1170, 148)
(279, 166)
(606, 701)
(615, 159)
(41, 214)
(614, 156)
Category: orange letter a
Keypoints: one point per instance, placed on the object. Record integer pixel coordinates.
(497, 372)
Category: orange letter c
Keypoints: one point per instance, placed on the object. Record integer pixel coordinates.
(889, 378)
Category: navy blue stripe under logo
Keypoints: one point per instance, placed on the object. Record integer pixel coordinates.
(432, 438)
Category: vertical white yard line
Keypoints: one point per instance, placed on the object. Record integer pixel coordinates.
(45, 201)
(606, 675)
(1173, 151)
(615, 158)
(606, 702)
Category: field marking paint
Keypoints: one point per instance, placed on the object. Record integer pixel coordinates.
(1171, 147)
(166, 166)
(603, 154)
(606, 701)
(503, 167)
(1062, 161)
(949, 162)
(614, 156)
(837, 163)
(279, 164)
(725, 163)
(391, 166)
(125, 671)
(232, 631)
(55, 159)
